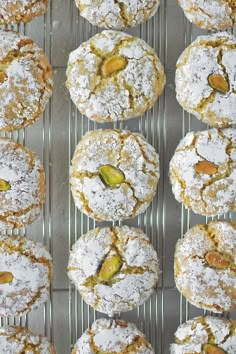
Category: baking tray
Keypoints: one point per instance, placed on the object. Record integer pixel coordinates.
(65, 316)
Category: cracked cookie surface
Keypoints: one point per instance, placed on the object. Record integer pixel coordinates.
(124, 151)
(25, 81)
(195, 335)
(108, 336)
(22, 185)
(20, 340)
(15, 11)
(205, 266)
(25, 275)
(210, 14)
(107, 285)
(117, 13)
(209, 57)
(203, 171)
(114, 76)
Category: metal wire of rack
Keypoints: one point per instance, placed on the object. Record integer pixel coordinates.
(65, 316)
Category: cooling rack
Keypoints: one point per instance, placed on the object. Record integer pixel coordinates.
(65, 316)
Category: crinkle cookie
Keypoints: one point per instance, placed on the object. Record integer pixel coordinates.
(18, 340)
(114, 76)
(203, 171)
(22, 185)
(210, 14)
(205, 266)
(107, 336)
(114, 174)
(114, 268)
(117, 13)
(25, 81)
(206, 81)
(15, 11)
(26, 272)
(205, 335)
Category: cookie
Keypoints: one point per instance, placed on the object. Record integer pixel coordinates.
(210, 14)
(22, 185)
(205, 266)
(117, 14)
(26, 272)
(19, 340)
(107, 336)
(25, 81)
(206, 81)
(114, 76)
(203, 171)
(205, 335)
(15, 11)
(114, 174)
(114, 268)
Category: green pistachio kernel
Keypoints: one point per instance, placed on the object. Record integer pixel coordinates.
(111, 176)
(4, 185)
(109, 268)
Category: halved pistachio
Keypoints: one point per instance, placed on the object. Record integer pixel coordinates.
(212, 349)
(3, 77)
(111, 176)
(109, 268)
(4, 185)
(206, 168)
(218, 83)
(113, 64)
(217, 260)
(6, 277)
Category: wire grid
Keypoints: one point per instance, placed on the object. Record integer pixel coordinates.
(65, 316)
(152, 130)
(40, 137)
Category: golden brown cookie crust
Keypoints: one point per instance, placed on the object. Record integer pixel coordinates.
(210, 14)
(205, 266)
(26, 273)
(205, 335)
(108, 336)
(20, 202)
(15, 11)
(115, 269)
(203, 171)
(25, 81)
(114, 76)
(128, 152)
(205, 79)
(20, 340)
(117, 14)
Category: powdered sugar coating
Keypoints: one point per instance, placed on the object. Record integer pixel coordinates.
(122, 149)
(191, 336)
(210, 14)
(136, 279)
(110, 336)
(25, 81)
(31, 267)
(22, 169)
(117, 14)
(205, 286)
(17, 340)
(214, 54)
(15, 11)
(123, 94)
(206, 194)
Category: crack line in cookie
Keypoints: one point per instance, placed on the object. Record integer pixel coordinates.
(124, 268)
(130, 348)
(102, 81)
(218, 177)
(28, 51)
